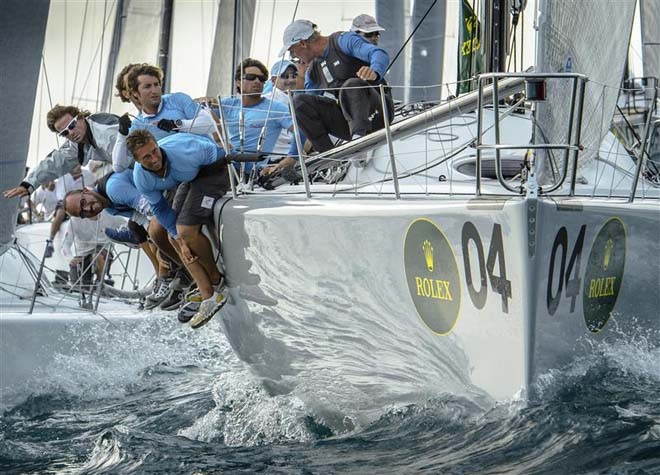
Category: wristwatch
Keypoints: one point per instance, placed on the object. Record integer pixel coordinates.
(178, 123)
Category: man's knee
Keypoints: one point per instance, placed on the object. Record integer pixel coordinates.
(188, 232)
(354, 82)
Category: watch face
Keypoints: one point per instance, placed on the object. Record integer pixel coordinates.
(178, 123)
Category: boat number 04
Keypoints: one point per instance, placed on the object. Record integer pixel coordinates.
(602, 278)
(498, 281)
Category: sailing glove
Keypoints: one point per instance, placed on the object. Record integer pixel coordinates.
(167, 125)
(124, 124)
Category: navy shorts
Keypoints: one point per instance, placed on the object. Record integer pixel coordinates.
(193, 202)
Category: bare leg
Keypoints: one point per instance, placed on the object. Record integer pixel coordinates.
(197, 272)
(58, 219)
(201, 247)
(151, 254)
(158, 235)
(99, 266)
(201, 266)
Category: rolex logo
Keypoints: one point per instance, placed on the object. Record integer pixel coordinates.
(609, 245)
(428, 254)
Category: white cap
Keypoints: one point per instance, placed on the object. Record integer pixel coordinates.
(296, 32)
(366, 24)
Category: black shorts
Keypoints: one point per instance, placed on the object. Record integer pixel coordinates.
(193, 202)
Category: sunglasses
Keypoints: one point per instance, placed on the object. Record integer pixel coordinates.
(85, 208)
(374, 34)
(252, 77)
(289, 76)
(70, 126)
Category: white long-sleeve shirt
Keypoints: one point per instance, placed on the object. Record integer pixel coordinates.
(83, 235)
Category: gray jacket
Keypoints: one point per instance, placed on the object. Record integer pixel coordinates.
(103, 127)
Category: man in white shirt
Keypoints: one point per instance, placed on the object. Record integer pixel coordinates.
(76, 179)
(83, 245)
(284, 77)
(45, 200)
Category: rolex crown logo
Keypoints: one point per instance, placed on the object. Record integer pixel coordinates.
(608, 253)
(428, 254)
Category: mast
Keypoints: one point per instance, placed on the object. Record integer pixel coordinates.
(428, 50)
(120, 16)
(497, 35)
(235, 21)
(23, 26)
(391, 16)
(164, 42)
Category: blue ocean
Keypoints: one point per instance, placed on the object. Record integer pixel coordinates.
(158, 401)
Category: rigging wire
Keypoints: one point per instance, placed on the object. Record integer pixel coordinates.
(410, 37)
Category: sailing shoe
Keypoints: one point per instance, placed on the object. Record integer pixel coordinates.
(173, 300)
(181, 280)
(193, 296)
(160, 293)
(49, 249)
(123, 236)
(207, 309)
(187, 311)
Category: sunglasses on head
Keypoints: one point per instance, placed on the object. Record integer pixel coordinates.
(69, 127)
(252, 77)
(373, 34)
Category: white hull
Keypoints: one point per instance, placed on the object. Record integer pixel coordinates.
(338, 271)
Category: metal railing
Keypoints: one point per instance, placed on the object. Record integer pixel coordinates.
(490, 89)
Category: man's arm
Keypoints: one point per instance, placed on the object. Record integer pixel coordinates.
(354, 45)
(165, 215)
(121, 160)
(57, 164)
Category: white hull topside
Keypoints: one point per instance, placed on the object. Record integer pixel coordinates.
(424, 294)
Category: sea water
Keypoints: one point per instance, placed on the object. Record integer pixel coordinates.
(156, 400)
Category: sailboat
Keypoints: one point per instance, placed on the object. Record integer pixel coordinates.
(488, 240)
(484, 244)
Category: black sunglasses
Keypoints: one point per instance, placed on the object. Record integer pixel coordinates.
(291, 75)
(69, 127)
(373, 34)
(252, 77)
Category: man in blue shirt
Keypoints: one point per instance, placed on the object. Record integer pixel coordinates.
(263, 119)
(347, 68)
(117, 195)
(196, 166)
(161, 114)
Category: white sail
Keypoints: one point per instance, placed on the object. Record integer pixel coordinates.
(588, 37)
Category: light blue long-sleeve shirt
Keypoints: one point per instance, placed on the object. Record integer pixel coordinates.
(172, 106)
(121, 191)
(275, 115)
(183, 155)
(352, 44)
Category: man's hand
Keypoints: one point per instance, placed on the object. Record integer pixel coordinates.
(186, 254)
(284, 163)
(367, 74)
(18, 191)
(124, 124)
(167, 125)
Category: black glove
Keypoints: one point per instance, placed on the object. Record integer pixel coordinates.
(291, 175)
(167, 125)
(124, 124)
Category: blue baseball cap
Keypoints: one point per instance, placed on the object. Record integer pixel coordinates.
(281, 66)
